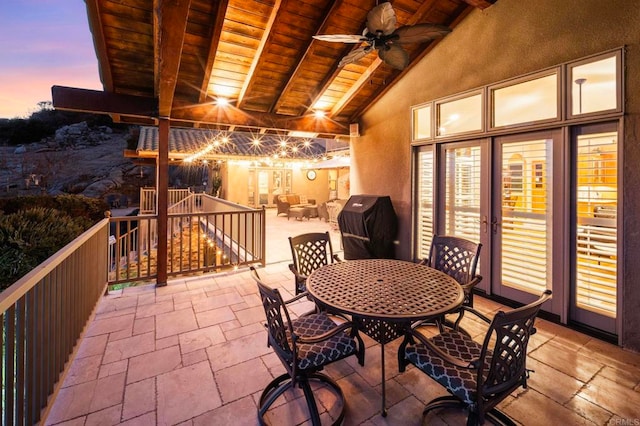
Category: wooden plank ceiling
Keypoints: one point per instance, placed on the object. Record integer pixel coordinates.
(176, 58)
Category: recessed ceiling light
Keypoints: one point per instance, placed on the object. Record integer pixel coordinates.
(222, 102)
(319, 114)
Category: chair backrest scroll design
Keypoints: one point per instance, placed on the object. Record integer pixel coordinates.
(510, 331)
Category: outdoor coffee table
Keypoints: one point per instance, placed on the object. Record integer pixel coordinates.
(384, 296)
(298, 213)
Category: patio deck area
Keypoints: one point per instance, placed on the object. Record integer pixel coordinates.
(194, 353)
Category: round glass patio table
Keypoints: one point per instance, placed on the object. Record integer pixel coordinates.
(384, 296)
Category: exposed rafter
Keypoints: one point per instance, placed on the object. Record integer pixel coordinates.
(263, 43)
(173, 23)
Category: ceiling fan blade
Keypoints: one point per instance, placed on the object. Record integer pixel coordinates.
(382, 18)
(354, 56)
(341, 38)
(420, 33)
(394, 56)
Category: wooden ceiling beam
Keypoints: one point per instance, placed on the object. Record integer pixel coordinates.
(172, 20)
(256, 59)
(331, 7)
(213, 48)
(98, 102)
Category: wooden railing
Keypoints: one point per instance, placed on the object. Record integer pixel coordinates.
(43, 315)
(217, 235)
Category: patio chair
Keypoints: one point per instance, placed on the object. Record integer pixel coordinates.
(478, 376)
(304, 345)
(458, 258)
(310, 252)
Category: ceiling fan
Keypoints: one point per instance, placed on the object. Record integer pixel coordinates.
(381, 34)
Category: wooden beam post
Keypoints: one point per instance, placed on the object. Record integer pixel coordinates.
(162, 200)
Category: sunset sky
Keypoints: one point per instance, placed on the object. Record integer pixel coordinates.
(43, 43)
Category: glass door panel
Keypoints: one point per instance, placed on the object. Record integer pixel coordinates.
(263, 187)
(462, 192)
(596, 243)
(424, 192)
(523, 220)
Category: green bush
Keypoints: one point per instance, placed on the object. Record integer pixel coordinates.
(29, 237)
(74, 205)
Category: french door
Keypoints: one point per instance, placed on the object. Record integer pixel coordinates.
(523, 223)
(544, 206)
(459, 193)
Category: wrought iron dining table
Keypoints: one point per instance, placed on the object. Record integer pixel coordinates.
(384, 296)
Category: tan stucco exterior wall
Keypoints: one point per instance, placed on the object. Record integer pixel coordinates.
(235, 178)
(510, 38)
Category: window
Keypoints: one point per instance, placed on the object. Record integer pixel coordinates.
(589, 86)
(422, 122)
(595, 84)
(529, 101)
(461, 115)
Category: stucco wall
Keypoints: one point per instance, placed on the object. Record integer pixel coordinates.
(510, 38)
(235, 178)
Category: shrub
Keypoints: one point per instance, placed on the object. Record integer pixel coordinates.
(29, 237)
(74, 205)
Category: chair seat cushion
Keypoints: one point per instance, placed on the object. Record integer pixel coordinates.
(460, 382)
(317, 354)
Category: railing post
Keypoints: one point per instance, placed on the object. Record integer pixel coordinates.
(163, 200)
(263, 227)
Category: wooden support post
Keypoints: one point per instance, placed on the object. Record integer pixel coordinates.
(162, 191)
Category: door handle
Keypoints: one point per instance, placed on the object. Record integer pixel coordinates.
(485, 222)
(494, 224)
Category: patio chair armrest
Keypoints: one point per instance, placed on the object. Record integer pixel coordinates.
(299, 277)
(326, 335)
(476, 313)
(297, 297)
(471, 284)
(442, 354)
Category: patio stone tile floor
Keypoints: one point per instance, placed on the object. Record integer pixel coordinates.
(195, 353)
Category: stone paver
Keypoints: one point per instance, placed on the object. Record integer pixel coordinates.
(186, 393)
(175, 322)
(200, 339)
(139, 398)
(195, 353)
(153, 364)
(242, 380)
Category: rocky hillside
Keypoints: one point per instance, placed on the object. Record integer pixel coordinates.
(77, 160)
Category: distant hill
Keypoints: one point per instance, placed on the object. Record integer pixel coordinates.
(76, 159)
